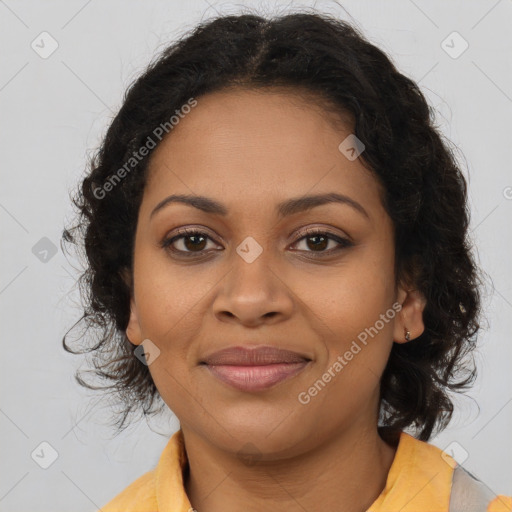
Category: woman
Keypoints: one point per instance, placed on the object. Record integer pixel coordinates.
(276, 238)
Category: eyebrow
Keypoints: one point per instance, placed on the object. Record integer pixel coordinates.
(284, 209)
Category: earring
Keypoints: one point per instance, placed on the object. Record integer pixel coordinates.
(407, 334)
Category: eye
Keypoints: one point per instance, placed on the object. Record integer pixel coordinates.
(187, 242)
(319, 240)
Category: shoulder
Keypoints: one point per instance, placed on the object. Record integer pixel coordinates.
(163, 484)
(500, 504)
(425, 477)
(470, 494)
(139, 496)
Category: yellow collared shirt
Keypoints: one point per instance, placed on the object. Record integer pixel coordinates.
(419, 480)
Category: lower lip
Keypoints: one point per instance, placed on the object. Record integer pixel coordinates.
(256, 378)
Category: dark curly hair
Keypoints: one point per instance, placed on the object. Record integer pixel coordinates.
(425, 195)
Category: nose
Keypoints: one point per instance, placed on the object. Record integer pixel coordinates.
(253, 293)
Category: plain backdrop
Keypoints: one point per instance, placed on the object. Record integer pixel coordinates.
(54, 111)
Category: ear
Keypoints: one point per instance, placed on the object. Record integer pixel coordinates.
(411, 315)
(133, 329)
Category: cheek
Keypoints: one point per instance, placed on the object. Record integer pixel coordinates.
(357, 347)
(168, 297)
(357, 314)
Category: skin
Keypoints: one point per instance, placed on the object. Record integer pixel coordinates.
(251, 150)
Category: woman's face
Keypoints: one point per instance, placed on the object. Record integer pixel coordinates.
(253, 276)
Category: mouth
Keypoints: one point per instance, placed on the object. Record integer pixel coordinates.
(255, 369)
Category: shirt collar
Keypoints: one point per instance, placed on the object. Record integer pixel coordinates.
(418, 476)
(170, 488)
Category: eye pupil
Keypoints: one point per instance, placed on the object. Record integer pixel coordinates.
(320, 245)
(194, 245)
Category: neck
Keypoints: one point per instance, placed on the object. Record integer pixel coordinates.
(346, 473)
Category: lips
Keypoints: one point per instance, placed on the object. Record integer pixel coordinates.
(254, 369)
(258, 356)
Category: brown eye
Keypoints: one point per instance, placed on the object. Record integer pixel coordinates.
(318, 241)
(187, 241)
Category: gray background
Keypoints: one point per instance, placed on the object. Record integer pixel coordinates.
(54, 111)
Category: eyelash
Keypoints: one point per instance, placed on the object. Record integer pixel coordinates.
(188, 232)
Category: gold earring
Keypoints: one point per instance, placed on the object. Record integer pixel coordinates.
(407, 334)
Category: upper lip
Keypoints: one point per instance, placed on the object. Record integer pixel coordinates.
(254, 356)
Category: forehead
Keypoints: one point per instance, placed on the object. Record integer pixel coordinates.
(258, 146)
